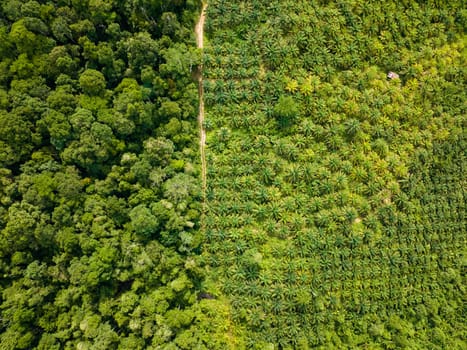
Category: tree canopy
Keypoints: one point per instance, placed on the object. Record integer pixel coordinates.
(99, 176)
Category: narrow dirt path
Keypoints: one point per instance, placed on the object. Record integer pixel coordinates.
(199, 33)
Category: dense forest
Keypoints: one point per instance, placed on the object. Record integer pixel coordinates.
(99, 189)
(334, 214)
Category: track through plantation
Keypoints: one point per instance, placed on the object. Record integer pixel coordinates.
(199, 33)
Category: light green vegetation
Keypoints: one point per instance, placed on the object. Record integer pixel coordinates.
(336, 196)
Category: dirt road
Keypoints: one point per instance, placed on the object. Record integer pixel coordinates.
(199, 33)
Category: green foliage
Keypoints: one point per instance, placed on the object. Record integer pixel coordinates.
(99, 209)
(335, 206)
(327, 222)
(15, 138)
(286, 111)
(143, 221)
(92, 82)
